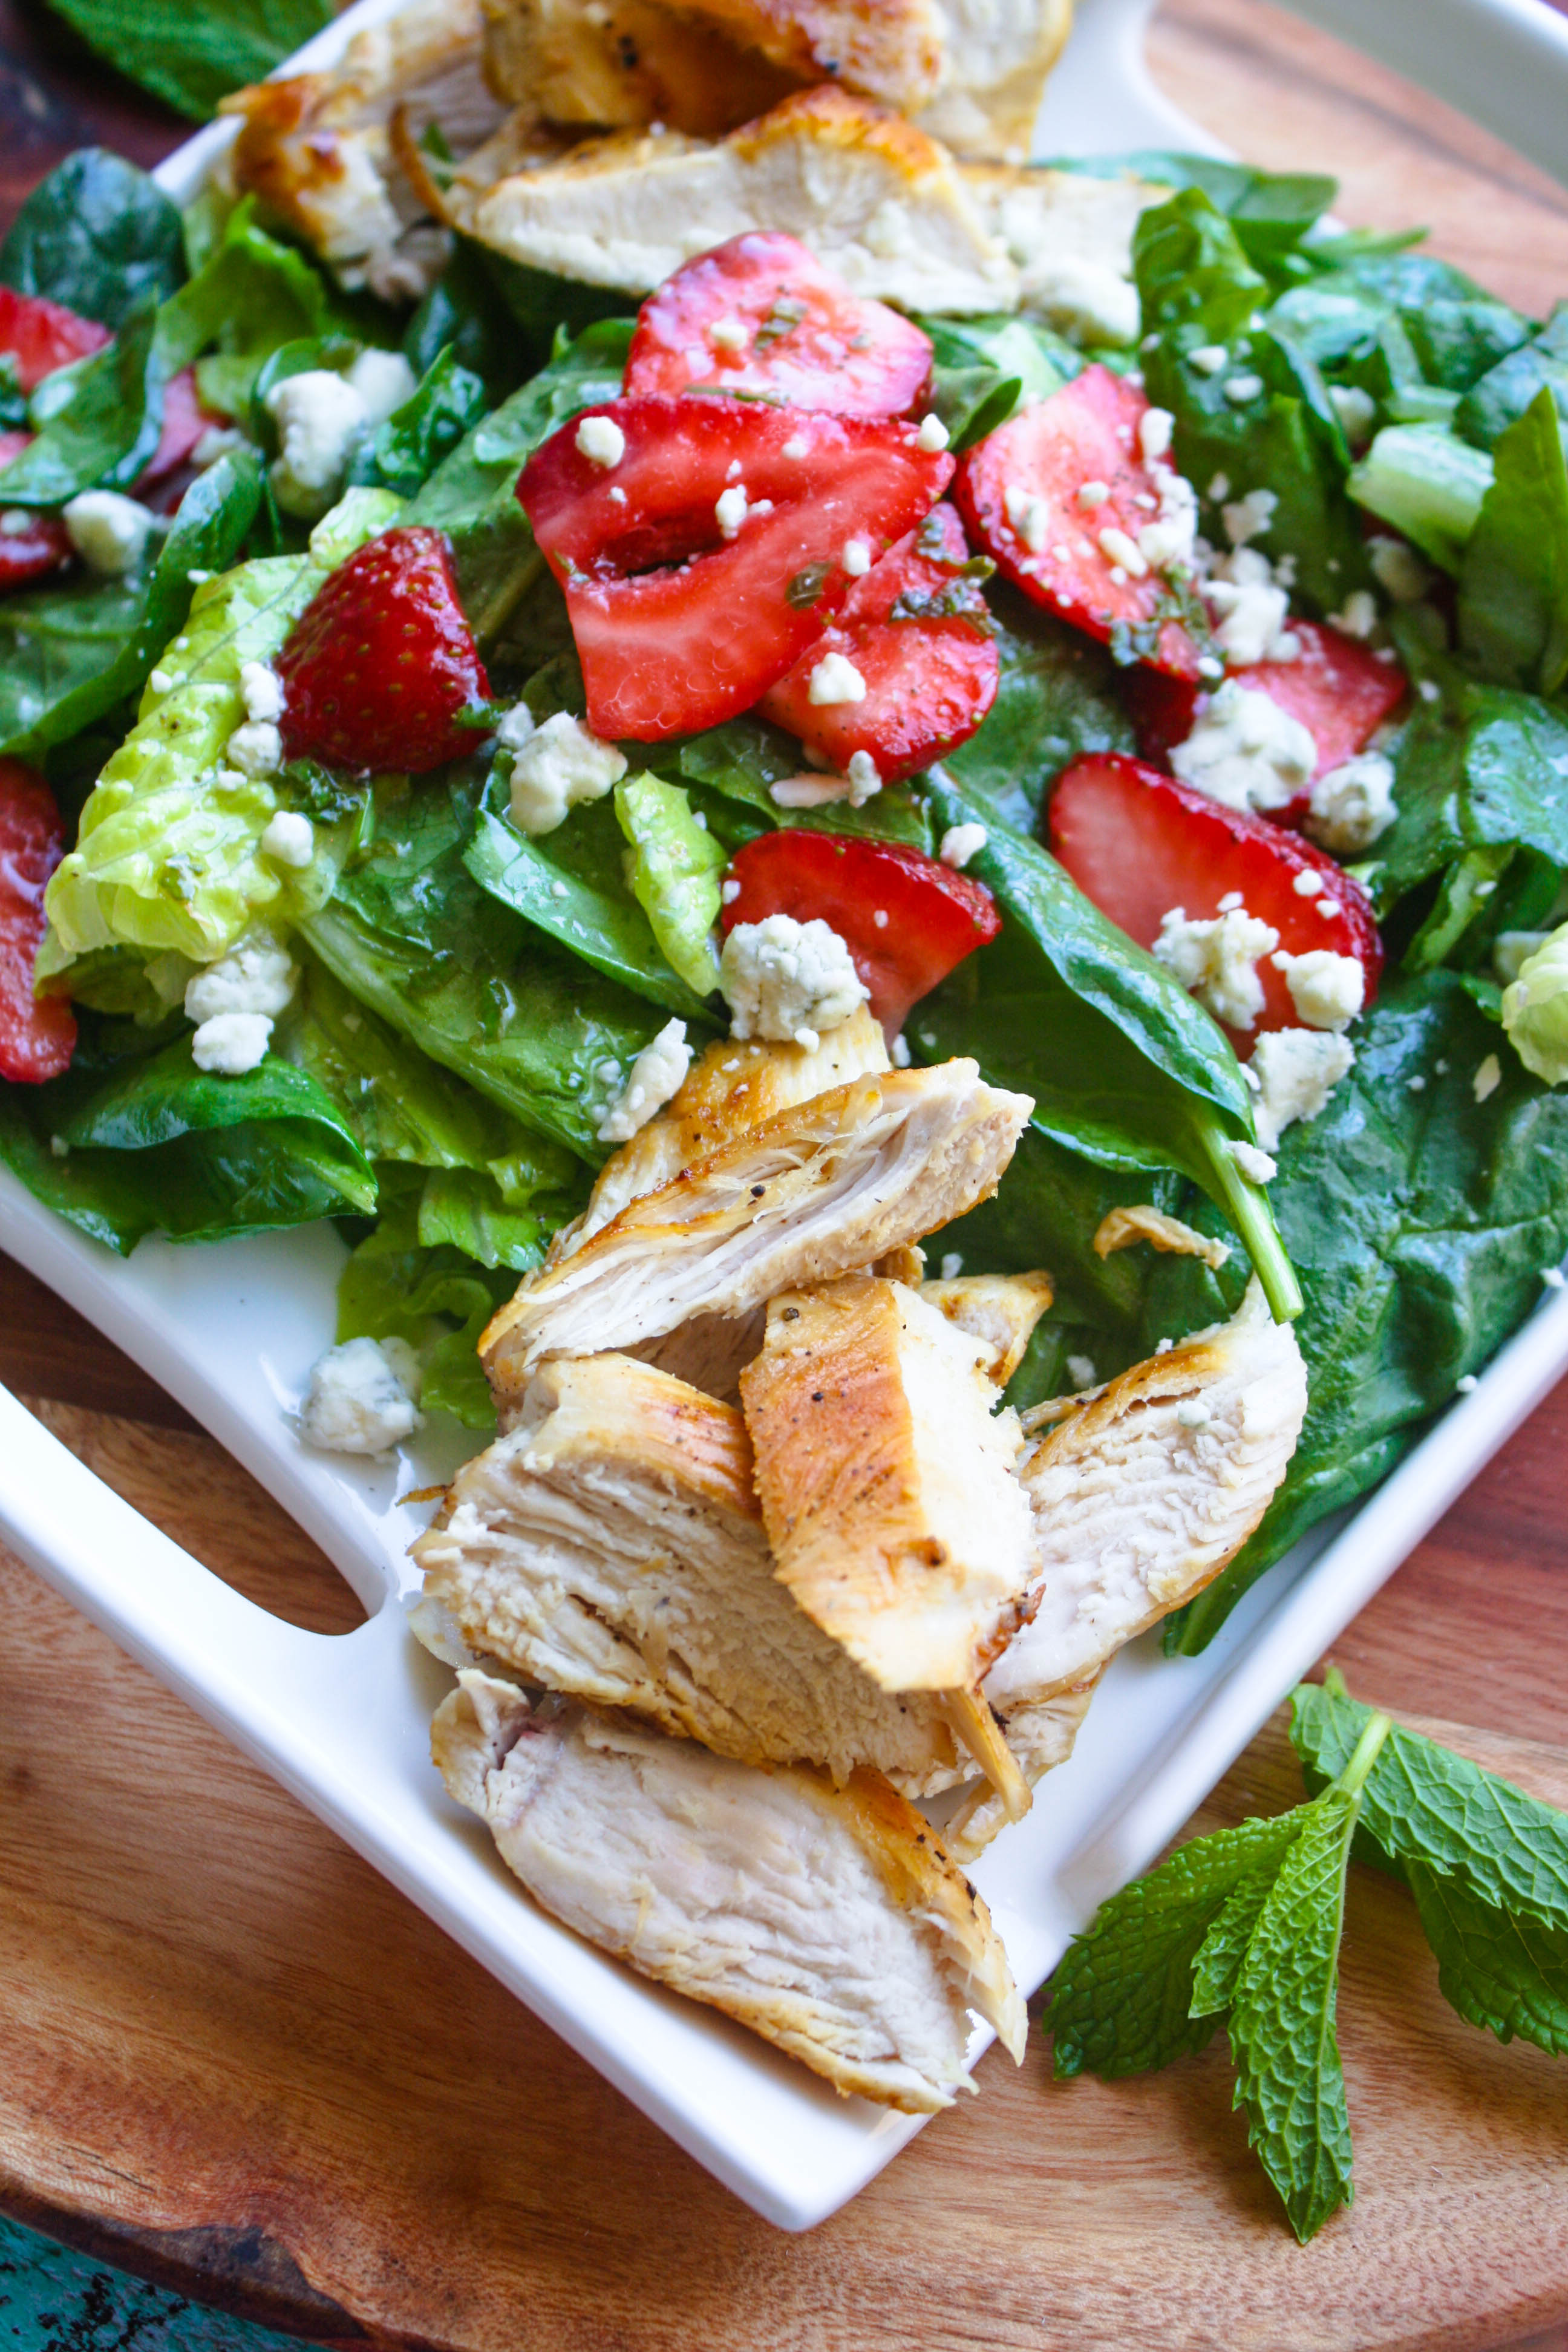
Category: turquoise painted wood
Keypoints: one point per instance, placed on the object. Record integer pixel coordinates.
(53, 2299)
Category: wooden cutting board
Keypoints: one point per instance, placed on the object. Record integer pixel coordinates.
(233, 2058)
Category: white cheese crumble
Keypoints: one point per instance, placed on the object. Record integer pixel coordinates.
(1327, 990)
(655, 1076)
(384, 380)
(783, 979)
(230, 1043)
(1093, 494)
(107, 530)
(319, 416)
(730, 509)
(1353, 804)
(1217, 961)
(217, 441)
(1246, 518)
(256, 749)
(1252, 606)
(1209, 358)
(899, 1052)
(1488, 1077)
(355, 1402)
(1254, 1165)
(558, 765)
(729, 334)
(836, 679)
(290, 838)
(1030, 515)
(1244, 752)
(855, 558)
(1080, 1371)
(1155, 427)
(933, 435)
(1119, 549)
(952, 1266)
(601, 441)
(262, 690)
(256, 977)
(960, 843)
(1357, 617)
(1356, 410)
(795, 449)
(1398, 571)
(1170, 542)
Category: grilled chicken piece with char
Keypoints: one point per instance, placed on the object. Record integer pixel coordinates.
(831, 1921)
(873, 197)
(610, 1546)
(887, 1481)
(831, 1184)
(319, 148)
(998, 1311)
(1144, 1491)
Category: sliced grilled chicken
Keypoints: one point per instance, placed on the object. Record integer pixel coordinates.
(610, 1546)
(996, 58)
(829, 1920)
(1070, 238)
(887, 1481)
(872, 196)
(317, 146)
(1144, 1490)
(1040, 1737)
(830, 1185)
(729, 1089)
(998, 1311)
(709, 1353)
(620, 65)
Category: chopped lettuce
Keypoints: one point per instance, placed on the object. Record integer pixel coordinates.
(676, 864)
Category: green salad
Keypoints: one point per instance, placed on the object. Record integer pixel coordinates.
(459, 925)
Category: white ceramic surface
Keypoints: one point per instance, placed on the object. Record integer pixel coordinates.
(342, 1721)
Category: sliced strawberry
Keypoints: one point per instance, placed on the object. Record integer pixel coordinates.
(906, 919)
(31, 543)
(185, 422)
(684, 609)
(1139, 844)
(1338, 688)
(762, 315)
(37, 1033)
(915, 630)
(1018, 492)
(42, 336)
(380, 662)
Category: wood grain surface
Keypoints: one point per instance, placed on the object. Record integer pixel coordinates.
(232, 2058)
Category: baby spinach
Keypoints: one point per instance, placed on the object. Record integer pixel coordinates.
(1270, 212)
(1420, 1221)
(1056, 698)
(1502, 395)
(461, 314)
(251, 295)
(1124, 1066)
(412, 443)
(190, 57)
(104, 416)
(1513, 581)
(98, 236)
(983, 369)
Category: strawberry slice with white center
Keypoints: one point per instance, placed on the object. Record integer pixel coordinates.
(916, 635)
(701, 544)
(1139, 845)
(906, 919)
(1058, 496)
(1338, 688)
(760, 315)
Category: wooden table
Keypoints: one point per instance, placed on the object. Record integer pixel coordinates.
(232, 2058)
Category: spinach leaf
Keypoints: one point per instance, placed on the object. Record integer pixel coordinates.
(550, 312)
(983, 369)
(191, 56)
(571, 884)
(740, 761)
(411, 934)
(73, 652)
(1123, 1066)
(1192, 271)
(461, 314)
(251, 295)
(1269, 211)
(1507, 390)
(139, 1141)
(412, 443)
(1057, 697)
(436, 1298)
(104, 417)
(1513, 583)
(1419, 1220)
(98, 236)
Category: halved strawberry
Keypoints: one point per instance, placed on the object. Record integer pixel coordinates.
(380, 662)
(906, 919)
(42, 336)
(762, 315)
(37, 1033)
(1021, 491)
(1139, 844)
(700, 564)
(31, 543)
(916, 632)
(1337, 687)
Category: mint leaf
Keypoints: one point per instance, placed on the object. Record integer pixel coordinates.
(1508, 1975)
(1288, 2071)
(1121, 1999)
(1423, 1803)
(1223, 1949)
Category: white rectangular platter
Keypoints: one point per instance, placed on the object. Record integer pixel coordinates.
(342, 1721)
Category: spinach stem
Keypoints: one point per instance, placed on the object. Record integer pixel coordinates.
(1248, 1207)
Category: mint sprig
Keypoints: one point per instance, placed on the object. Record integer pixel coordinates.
(1246, 1925)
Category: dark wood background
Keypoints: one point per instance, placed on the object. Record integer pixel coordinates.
(231, 2058)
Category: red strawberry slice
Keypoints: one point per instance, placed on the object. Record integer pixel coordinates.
(1338, 688)
(31, 543)
(762, 315)
(42, 336)
(915, 630)
(185, 422)
(906, 919)
(1018, 491)
(380, 662)
(686, 609)
(37, 1033)
(1139, 844)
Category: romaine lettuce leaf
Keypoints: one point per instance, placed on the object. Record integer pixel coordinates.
(676, 864)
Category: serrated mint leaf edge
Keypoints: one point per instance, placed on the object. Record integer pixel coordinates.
(1505, 1975)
